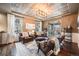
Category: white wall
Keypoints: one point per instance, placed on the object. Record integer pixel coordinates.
(75, 37)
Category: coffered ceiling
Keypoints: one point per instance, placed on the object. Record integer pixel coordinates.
(42, 11)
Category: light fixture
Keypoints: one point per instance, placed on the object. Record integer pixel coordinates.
(42, 10)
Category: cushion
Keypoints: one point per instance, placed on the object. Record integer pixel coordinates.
(25, 34)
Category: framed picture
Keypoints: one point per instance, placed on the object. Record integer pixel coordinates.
(30, 26)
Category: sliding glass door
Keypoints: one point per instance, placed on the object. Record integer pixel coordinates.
(54, 29)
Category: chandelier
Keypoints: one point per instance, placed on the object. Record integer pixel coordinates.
(42, 10)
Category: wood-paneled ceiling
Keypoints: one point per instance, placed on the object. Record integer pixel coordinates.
(42, 11)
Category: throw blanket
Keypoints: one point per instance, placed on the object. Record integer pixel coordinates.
(41, 38)
(20, 50)
(57, 45)
(28, 49)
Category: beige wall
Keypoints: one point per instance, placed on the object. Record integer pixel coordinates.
(29, 20)
(70, 20)
(3, 22)
(65, 21)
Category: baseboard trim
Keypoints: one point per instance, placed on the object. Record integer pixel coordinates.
(2, 45)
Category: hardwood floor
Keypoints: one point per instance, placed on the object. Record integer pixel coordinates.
(65, 53)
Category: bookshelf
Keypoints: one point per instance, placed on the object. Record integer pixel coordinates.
(68, 34)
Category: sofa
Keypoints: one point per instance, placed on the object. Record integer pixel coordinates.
(25, 37)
